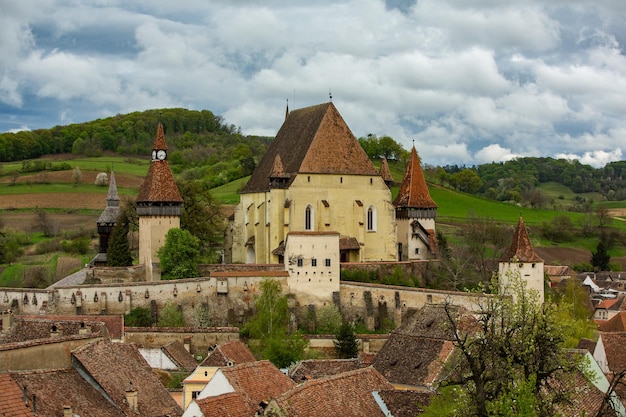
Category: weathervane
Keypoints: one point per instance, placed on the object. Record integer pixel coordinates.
(330, 95)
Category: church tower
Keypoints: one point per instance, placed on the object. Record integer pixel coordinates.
(415, 215)
(521, 261)
(106, 222)
(159, 207)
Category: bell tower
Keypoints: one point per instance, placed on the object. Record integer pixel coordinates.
(159, 207)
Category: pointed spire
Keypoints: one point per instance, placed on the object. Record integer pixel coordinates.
(385, 172)
(413, 190)
(159, 142)
(113, 197)
(521, 249)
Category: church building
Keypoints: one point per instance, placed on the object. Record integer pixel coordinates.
(314, 180)
(159, 207)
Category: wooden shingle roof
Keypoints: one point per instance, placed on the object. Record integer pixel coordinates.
(413, 191)
(521, 249)
(312, 140)
(159, 185)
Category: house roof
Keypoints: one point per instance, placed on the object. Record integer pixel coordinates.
(613, 304)
(257, 381)
(232, 404)
(319, 368)
(37, 328)
(114, 324)
(312, 140)
(614, 349)
(586, 344)
(159, 184)
(584, 398)
(617, 323)
(55, 389)
(406, 403)
(177, 353)
(12, 399)
(346, 394)
(115, 366)
(413, 191)
(521, 249)
(229, 353)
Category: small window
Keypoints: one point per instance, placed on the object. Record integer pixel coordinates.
(308, 218)
(371, 219)
(429, 298)
(327, 261)
(417, 251)
(300, 262)
(313, 262)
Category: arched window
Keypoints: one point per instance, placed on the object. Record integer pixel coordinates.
(371, 219)
(308, 218)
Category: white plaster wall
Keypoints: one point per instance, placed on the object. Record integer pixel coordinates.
(218, 385)
(157, 359)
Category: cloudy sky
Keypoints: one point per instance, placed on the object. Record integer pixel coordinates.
(467, 81)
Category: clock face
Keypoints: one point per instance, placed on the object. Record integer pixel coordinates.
(153, 155)
(161, 154)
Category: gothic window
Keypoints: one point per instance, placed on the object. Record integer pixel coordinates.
(371, 219)
(308, 218)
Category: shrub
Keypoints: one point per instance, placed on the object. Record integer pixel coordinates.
(171, 316)
(138, 317)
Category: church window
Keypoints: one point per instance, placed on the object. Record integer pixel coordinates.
(308, 218)
(371, 219)
(313, 262)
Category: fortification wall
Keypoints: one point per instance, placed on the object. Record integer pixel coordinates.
(48, 354)
(199, 339)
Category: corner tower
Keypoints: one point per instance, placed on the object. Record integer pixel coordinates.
(159, 207)
(415, 215)
(106, 222)
(521, 261)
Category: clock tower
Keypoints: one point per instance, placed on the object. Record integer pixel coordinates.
(159, 207)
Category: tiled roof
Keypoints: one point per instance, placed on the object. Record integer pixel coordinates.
(114, 324)
(349, 243)
(112, 210)
(614, 349)
(384, 171)
(232, 404)
(159, 184)
(406, 403)
(413, 191)
(229, 353)
(177, 352)
(521, 249)
(55, 389)
(617, 323)
(312, 140)
(611, 304)
(11, 399)
(586, 344)
(584, 399)
(257, 381)
(115, 366)
(278, 170)
(347, 394)
(30, 329)
(319, 368)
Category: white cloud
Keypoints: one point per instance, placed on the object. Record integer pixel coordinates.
(494, 153)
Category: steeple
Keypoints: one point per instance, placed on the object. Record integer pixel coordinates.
(113, 198)
(413, 190)
(107, 221)
(521, 249)
(385, 173)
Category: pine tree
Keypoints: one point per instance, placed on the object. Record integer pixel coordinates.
(346, 344)
(601, 258)
(118, 253)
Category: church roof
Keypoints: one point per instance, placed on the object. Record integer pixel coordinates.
(385, 172)
(312, 140)
(112, 210)
(159, 184)
(521, 248)
(413, 190)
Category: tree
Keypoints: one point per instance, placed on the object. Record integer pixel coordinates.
(171, 316)
(179, 255)
(346, 344)
(600, 259)
(102, 179)
(118, 252)
(328, 319)
(509, 355)
(138, 317)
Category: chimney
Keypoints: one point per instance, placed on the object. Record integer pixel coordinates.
(67, 411)
(131, 397)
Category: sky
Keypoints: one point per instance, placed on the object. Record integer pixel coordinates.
(465, 81)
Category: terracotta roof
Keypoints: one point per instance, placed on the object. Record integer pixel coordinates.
(521, 249)
(177, 353)
(257, 381)
(413, 191)
(312, 140)
(586, 344)
(347, 394)
(36, 328)
(349, 243)
(584, 399)
(159, 184)
(114, 324)
(614, 349)
(228, 354)
(55, 389)
(232, 404)
(617, 323)
(319, 368)
(12, 399)
(610, 304)
(384, 171)
(115, 366)
(406, 403)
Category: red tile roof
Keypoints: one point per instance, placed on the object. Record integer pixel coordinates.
(319, 368)
(159, 184)
(347, 394)
(228, 354)
(312, 140)
(11, 399)
(521, 249)
(384, 171)
(114, 324)
(181, 357)
(617, 323)
(232, 404)
(614, 349)
(413, 191)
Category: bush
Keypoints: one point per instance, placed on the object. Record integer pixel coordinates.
(138, 317)
(171, 316)
(328, 319)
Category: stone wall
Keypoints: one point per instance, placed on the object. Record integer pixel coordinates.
(199, 338)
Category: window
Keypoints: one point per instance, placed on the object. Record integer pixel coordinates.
(300, 262)
(371, 219)
(308, 218)
(327, 261)
(417, 251)
(313, 262)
